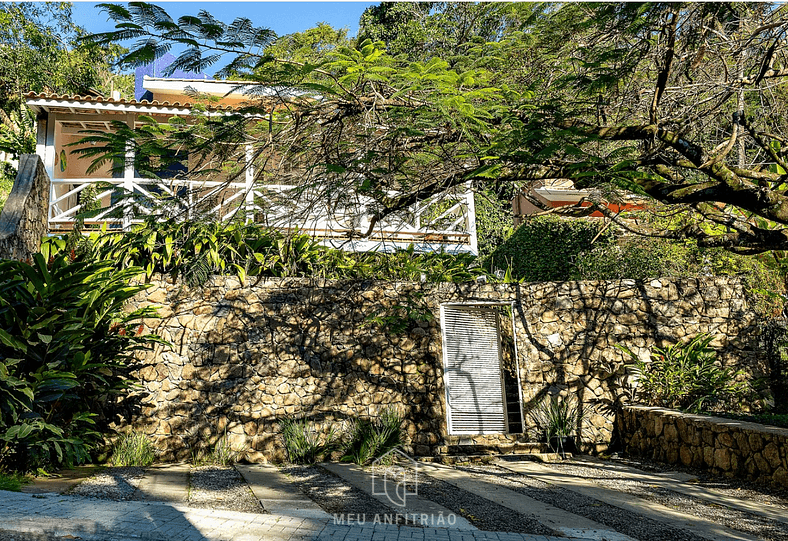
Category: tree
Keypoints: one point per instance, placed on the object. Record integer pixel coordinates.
(683, 103)
(663, 100)
(359, 123)
(40, 51)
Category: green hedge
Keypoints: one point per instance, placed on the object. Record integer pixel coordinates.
(546, 248)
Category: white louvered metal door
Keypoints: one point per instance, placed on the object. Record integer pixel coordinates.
(475, 396)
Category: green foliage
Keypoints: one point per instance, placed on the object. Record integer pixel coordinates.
(779, 420)
(7, 178)
(546, 248)
(774, 348)
(42, 51)
(306, 442)
(222, 453)
(400, 318)
(638, 257)
(494, 222)
(370, 439)
(12, 481)
(559, 418)
(689, 377)
(64, 342)
(133, 449)
(16, 133)
(194, 250)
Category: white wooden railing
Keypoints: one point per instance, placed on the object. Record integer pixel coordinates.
(444, 222)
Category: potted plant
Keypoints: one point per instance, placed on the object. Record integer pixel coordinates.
(560, 420)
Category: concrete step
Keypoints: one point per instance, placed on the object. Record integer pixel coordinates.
(278, 494)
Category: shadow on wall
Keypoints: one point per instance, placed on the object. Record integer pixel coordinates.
(571, 330)
(244, 356)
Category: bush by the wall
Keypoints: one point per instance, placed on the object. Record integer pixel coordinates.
(64, 342)
(306, 442)
(546, 248)
(133, 449)
(687, 376)
(195, 250)
(494, 223)
(371, 439)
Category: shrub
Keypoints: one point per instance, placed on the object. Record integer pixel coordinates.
(194, 250)
(688, 377)
(133, 449)
(372, 438)
(221, 454)
(546, 248)
(64, 343)
(305, 442)
(637, 258)
(494, 222)
(559, 418)
(12, 481)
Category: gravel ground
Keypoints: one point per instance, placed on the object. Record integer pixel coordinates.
(736, 488)
(620, 520)
(336, 496)
(7, 535)
(483, 514)
(111, 484)
(221, 487)
(737, 520)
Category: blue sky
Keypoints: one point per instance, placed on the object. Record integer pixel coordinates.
(281, 17)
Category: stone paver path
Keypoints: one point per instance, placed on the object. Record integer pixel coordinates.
(571, 525)
(94, 520)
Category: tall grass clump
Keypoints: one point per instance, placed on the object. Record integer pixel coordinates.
(133, 449)
(305, 442)
(371, 439)
(221, 454)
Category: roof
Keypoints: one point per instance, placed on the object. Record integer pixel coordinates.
(68, 103)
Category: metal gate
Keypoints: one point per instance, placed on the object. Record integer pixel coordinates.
(475, 398)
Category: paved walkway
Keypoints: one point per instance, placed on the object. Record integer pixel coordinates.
(94, 520)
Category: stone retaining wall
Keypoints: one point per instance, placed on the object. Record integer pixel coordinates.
(243, 355)
(732, 448)
(23, 221)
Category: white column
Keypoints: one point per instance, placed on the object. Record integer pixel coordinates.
(45, 147)
(249, 200)
(471, 224)
(128, 178)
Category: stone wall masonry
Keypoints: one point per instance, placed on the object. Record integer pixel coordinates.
(23, 221)
(243, 355)
(732, 448)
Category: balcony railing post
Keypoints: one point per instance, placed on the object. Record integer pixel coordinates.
(128, 179)
(249, 199)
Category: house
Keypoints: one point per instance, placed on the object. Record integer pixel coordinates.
(556, 193)
(63, 119)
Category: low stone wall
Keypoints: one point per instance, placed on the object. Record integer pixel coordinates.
(23, 221)
(732, 448)
(243, 355)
